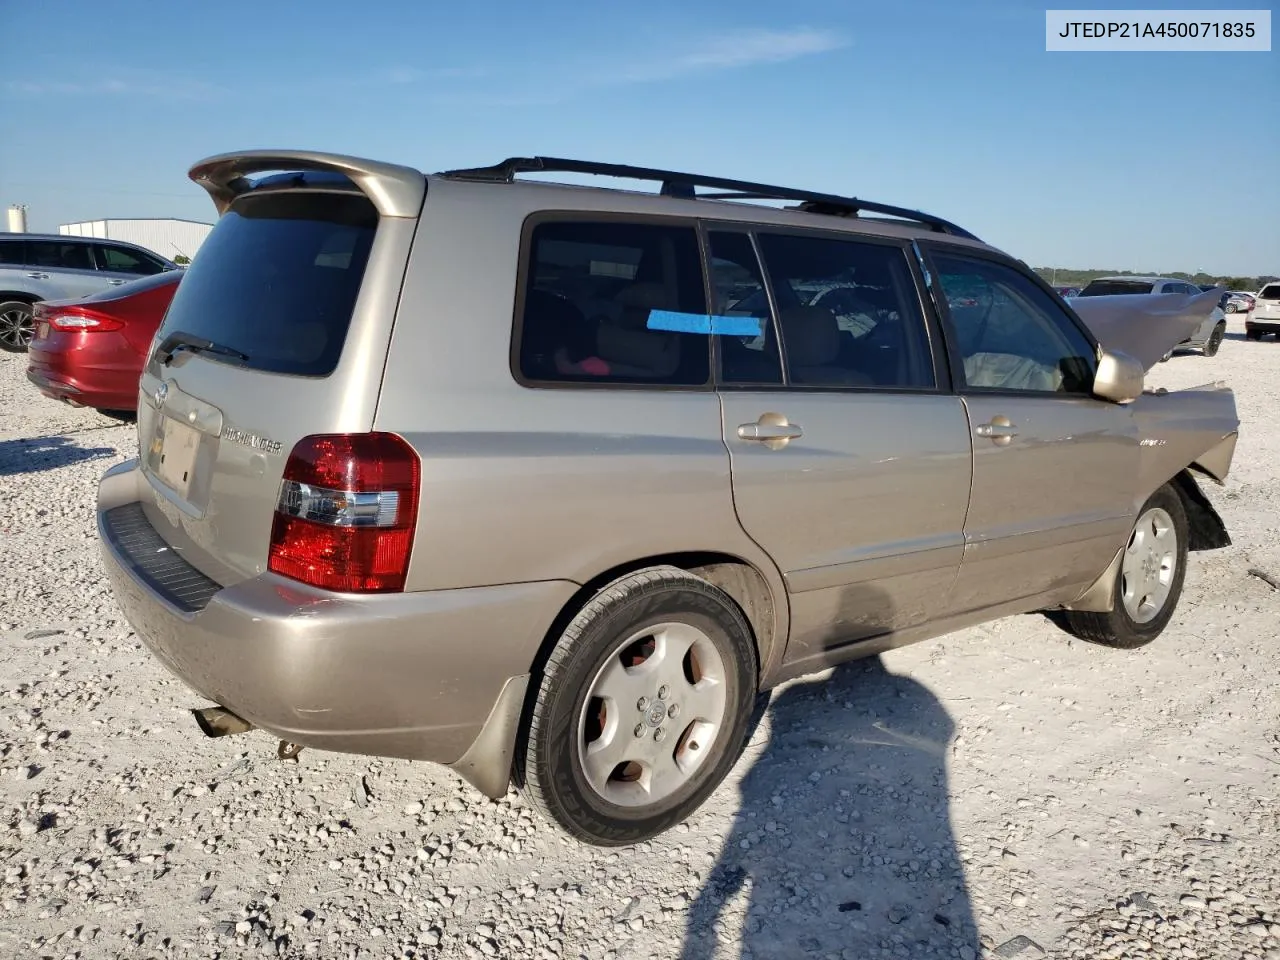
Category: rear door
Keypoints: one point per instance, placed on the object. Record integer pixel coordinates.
(1054, 468)
(850, 458)
(278, 331)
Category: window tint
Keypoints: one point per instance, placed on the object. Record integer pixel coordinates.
(848, 313)
(277, 279)
(748, 351)
(59, 255)
(614, 302)
(1112, 288)
(12, 252)
(1010, 334)
(123, 260)
(1270, 292)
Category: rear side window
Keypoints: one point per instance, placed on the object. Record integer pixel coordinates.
(613, 302)
(57, 254)
(12, 253)
(277, 280)
(847, 312)
(1114, 288)
(1270, 292)
(750, 353)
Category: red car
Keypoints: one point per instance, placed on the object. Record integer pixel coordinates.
(90, 352)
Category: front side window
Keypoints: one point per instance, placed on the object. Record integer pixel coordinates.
(614, 302)
(123, 260)
(60, 255)
(1010, 334)
(848, 313)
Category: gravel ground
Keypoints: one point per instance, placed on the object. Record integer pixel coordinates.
(1001, 792)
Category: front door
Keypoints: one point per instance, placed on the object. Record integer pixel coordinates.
(851, 465)
(1053, 466)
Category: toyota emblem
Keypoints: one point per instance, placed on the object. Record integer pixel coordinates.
(161, 393)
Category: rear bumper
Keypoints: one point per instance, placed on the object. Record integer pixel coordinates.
(89, 369)
(1264, 325)
(414, 675)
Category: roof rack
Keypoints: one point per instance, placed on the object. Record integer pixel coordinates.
(684, 185)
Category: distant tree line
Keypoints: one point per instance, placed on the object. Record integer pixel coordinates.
(1063, 277)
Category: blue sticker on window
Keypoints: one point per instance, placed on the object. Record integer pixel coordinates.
(706, 324)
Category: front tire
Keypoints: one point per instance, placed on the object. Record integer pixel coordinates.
(1148, 583)
(642, 708)
(1215, 340)
(17, 326)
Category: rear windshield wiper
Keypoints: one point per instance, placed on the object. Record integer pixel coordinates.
(179, 342)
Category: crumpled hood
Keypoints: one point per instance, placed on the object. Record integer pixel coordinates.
(1145, 326)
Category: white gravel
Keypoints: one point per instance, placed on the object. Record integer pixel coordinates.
(1001, 792)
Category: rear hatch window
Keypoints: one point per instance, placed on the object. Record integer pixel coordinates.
(1114, 288)
(1270, 292)
(276, 281)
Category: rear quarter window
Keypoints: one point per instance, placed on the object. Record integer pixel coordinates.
(277, 280)
(612, 302)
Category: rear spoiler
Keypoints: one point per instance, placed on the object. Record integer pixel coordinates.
(396, 191)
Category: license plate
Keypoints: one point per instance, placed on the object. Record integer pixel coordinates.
(177, 457)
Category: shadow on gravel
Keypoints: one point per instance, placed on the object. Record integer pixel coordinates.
(45, 453)
(842, 846)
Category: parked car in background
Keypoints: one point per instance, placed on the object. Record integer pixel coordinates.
(1212, 328)
(510, 476)
(35, 267)
(1265, 316)
(1067, 292)
(90, 352)
(1239, 301)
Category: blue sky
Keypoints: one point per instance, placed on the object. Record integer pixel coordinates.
(1122, 160)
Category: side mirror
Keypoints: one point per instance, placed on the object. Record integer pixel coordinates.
(1119, 378)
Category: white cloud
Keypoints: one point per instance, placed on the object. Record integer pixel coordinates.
(733, 50)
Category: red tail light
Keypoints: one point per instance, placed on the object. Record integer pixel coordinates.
(71, 319)
(346, 514)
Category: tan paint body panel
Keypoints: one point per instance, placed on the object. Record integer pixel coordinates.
(874, 490)
(1050, 506)
(887, 522)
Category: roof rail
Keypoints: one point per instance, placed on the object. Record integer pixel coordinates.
(684, 185)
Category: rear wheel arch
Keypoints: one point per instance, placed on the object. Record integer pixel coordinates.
(741, 580)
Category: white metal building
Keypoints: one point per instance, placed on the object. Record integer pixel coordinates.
(169, 238)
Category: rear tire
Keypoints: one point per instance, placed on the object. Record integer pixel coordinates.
(1215, 340)
(1253, 335)
(641, 710)
(17, 326)
(1145, 597)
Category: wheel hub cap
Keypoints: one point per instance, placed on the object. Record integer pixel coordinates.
(1149, 564)
(652, 714)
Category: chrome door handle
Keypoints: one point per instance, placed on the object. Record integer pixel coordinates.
(1000, 430)
(37, 275)
(772, 429)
